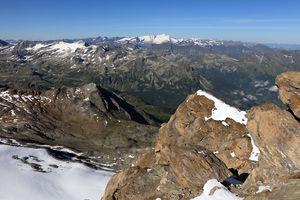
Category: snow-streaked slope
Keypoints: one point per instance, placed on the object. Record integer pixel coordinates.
(36, 47)
(61, 180)
(222, 193)
(255, 150)
(223, 110)
(63, 47)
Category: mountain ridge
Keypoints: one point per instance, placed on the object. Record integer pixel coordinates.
(165, 69)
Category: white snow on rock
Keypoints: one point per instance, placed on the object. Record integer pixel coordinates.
(36, 47)
(232, 154)
(220, 194)
(255, 150)
(273, 88)
(156, 39)
(65, 48)
(12, 113)
(263, 188)
(223, 110)
(224, 123)
(69, 181)
(164, 38)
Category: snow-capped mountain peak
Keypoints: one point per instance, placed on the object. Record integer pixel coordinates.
(156, 39)
(150, 39)
(164, 38)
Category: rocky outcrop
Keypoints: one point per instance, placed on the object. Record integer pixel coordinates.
(192, 125)
(277, 134)
(205, 138)
(192, 148)
(289, 91)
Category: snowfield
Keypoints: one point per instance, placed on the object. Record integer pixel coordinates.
(60, 179)
(222, 193)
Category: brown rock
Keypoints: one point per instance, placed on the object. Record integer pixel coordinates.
(189, 127)
(286, 190)
(277, 134)
(184, 179)
(289, 90)
(183, 159)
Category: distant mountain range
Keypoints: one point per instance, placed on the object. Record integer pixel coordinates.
(160, 69)
(285, 46)
(164, 38)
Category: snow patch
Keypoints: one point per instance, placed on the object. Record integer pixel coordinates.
(223, 110)
(13, 113)
(251, 97)
(201, 152)
(36, 47)
(65, 48)
(255, 150)
(261, 83)
(273, 88)
(222, 193)
(263, 188)
(224, 123)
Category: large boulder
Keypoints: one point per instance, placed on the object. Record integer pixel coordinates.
(183, 181)
(277, 134)
(289, 90)
(196, 122)
(196, 145)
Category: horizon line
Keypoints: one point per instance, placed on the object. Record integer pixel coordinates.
(93, 37)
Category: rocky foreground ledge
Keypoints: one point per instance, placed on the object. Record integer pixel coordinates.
(207, 142)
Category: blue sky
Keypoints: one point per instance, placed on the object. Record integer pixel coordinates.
(254, 21)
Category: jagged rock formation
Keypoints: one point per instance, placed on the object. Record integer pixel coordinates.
(87, 119)
(204, 139)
